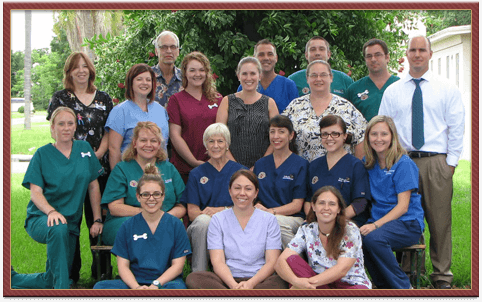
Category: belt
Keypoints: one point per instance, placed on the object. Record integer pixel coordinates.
(420, 154)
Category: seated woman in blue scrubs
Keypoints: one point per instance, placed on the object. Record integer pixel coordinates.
(282, 178)
(207, 191)
(139, 106)
(243, 241)
(152, 246)
(341, 170)
(58, 177)
(120, 192)
(396, 216)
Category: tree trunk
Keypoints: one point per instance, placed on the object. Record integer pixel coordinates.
(28, 66)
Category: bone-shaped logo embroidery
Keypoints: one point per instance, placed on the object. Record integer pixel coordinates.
(213, 105)
(144, 236)
(85, 154)
(362, 93)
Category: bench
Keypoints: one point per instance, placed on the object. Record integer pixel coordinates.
(416, 253)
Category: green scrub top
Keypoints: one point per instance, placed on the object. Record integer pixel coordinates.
(64, 181)
(366, 96)
(122, 183)
(339, 86)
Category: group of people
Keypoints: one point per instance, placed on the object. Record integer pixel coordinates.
(317, 194)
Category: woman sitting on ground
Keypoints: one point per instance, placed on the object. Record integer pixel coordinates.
(333, 247)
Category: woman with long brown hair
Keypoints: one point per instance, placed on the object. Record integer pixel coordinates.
(333, 247)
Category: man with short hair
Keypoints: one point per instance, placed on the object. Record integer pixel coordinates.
(168, 76)
(366, 93)
(317, 48)
(277, 87)
(429, 114)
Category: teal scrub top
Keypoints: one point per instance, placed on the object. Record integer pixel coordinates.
(339, 86)
(122, 183)
(366, 96)
(64, 181)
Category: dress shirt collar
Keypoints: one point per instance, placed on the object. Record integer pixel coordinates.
(427, 76)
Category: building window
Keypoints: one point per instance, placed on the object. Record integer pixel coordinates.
(431, 65)
(439, 66)
(448, 66)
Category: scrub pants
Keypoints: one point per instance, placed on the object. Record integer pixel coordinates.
(119, 284)
(379, 259)
(198, 234)
(110, 229)
(60, 251)
(209, 280)
(288, 226)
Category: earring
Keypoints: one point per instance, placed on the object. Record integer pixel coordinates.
(227, 149)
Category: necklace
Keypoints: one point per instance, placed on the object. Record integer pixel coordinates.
(326, 235)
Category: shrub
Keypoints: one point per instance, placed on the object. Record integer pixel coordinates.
(21, 109)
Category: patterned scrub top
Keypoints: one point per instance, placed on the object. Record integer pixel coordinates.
(307, 239)
(90, 119)
(307, 124)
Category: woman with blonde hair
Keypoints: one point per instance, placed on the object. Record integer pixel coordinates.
(120, 194)
(396, 216)
(332, 245)
(191, 111)
(59, 176)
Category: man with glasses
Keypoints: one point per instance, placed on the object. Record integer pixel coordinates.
(168, 76)
(318, 48)
(429, 114)
(366, 93)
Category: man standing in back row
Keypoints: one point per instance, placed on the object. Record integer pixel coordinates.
(429, 115)
(318, 48)
(366, 93)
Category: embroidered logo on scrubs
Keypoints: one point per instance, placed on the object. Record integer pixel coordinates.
(186, 251)
(388, 172)
(343, 179)
(143, 236)
(314, 180)
(363, 95)
(167, 181)
(133, 184)
(212, 106)
(262, 175)
(85, 154)
(289, 177)
(306, 90)
(204, 180)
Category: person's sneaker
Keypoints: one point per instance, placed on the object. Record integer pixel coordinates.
(441, 284)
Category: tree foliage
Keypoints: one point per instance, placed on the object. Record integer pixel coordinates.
(437, 20)
(227, 36)
(16, 65)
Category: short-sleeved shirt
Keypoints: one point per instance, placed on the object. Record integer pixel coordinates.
(307, 124)
(281, 90)
(307, 239)
(366, 96)
(385, 185)
(64, 181)
(244, 250)
(91, 119)
(125, 116)
(193, 116)
(122, 183)
(208, 187)
(150, 255)
(164, 90)
(339, 86)
(279, 186)
(348, 175)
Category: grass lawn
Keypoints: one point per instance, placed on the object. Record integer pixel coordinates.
(28, 141)
(22, 115)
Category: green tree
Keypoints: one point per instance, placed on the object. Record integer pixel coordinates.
(227, 36)
(16, 64)
(437, 20)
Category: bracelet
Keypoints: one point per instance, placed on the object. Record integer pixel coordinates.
(98, 220)
(376, 226)
(54, 210)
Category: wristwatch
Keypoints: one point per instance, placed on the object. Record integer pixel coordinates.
(157, 283)
(98, 220)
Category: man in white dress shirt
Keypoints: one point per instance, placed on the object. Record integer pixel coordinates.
(436, 152)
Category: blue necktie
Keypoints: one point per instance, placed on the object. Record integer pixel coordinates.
(417, 116)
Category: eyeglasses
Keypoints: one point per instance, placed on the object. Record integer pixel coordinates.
(333, 134)
(166, 47)
(377, 55)
(321, 75)
(156, 195)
